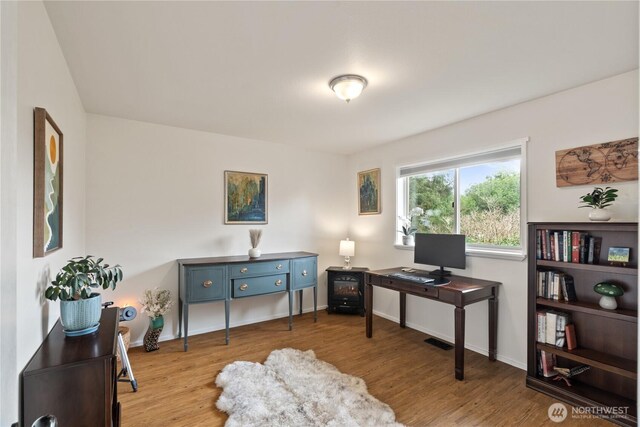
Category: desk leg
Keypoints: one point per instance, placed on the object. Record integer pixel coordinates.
(291, 310)
(185, 309)
(493, 328)
(227, 308)
(300, 295)
(459, 343)
(403, 309)
(368, 305)
(315, 303)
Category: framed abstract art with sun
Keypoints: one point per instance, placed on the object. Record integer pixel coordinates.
(47, 184)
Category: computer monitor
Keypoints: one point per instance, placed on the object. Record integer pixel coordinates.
(444, 250)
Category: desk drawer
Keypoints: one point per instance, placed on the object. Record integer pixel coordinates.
(205, 283)
(305, 272)
(259, 285)
(259, 268)
(408, 287)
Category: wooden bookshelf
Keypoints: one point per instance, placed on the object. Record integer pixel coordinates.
(607, 339)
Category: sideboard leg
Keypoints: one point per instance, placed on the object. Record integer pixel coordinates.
(186, 326)
(315, 303)
(300, 299)
(226, 321)
(180, 318)
(291, 310)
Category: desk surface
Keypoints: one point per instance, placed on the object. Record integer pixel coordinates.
(458, 283)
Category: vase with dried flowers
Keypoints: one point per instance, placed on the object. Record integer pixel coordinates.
(155, 304)
(254, 236)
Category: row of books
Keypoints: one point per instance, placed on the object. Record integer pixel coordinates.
(568, 246)
(556, 285)
(547, 367)
(555, 328)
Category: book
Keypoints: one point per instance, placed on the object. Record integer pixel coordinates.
(583, 248)
(570, 333)
(593, 253)
(569, 288)
(547, 240)
(538, 244)
(548, 361)
(556, 286)
(558, 247)
(575, 246)
(566, 244)
(550, 336)
(542, 326)
(562, 319)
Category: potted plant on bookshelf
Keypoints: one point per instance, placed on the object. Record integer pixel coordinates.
(80, 307)
(407, 227)
(598, 200)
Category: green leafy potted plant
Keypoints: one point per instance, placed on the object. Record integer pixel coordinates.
(407, 227)
(598, 200)
(79, 306)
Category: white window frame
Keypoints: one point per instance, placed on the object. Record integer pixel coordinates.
(489, 251)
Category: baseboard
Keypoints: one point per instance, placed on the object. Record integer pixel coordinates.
(481, 350)
(221, 326)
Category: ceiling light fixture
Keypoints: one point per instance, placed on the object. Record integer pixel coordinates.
(348, 86)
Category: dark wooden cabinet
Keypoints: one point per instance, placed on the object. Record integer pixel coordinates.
(607, 339)
(74, 378)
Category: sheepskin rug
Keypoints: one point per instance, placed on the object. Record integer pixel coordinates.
(293, 388)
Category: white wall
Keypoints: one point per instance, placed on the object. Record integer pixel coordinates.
(43, 80)
(156, 194)
(598, 112)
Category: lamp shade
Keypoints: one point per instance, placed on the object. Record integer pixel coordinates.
(347, 247)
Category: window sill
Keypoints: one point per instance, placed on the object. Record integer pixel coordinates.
(481, 253)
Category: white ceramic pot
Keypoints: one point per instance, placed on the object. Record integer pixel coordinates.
(599, 215)
(407, 240)
(255, 253)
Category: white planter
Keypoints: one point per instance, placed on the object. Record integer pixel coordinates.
(407, 240)
(599, 215)
(255, 253)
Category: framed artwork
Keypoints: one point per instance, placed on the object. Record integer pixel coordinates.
(619, 255)
(245, 198)
(47, 184)
(369, 192)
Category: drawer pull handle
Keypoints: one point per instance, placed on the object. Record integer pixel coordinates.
(279, 267)
(207, 283)
(278, 282)
(244, 270)
(244, 287)
(304, 272)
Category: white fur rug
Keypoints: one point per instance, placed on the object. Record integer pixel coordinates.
(293, 388)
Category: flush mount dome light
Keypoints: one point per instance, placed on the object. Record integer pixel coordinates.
(348, 86)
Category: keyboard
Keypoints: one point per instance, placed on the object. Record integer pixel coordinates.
(412, 278)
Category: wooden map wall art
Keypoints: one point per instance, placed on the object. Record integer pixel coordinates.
(604, 163)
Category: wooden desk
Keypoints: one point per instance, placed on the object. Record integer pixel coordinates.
(460, 292)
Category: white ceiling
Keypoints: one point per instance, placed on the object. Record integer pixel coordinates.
(261, 69)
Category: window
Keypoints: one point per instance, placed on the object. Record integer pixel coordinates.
(478, 195)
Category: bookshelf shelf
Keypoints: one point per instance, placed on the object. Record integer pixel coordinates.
(607, 339)
(632, 271)
(596, 359)
(594, 309)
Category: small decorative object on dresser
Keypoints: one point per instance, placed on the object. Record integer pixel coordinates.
(619, 256)
(155, 303)
(80, 308)
(254, 236)
(598, 200)
(608, 291)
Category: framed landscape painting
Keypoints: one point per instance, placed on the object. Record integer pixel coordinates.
(369, 192)
(245, 196)
(47, 184)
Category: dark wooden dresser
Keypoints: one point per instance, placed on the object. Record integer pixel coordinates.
(74, 378)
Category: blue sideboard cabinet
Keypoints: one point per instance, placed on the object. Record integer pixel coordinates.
(204, 280)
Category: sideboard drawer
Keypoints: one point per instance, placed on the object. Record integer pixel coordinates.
(259, 268)
(206, 284)
(259, 285)
(305, 272)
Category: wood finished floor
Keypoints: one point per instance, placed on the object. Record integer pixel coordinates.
(414, 378)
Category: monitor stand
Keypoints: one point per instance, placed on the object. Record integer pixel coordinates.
(440, 276)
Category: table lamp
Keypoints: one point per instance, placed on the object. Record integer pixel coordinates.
(347, 250)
